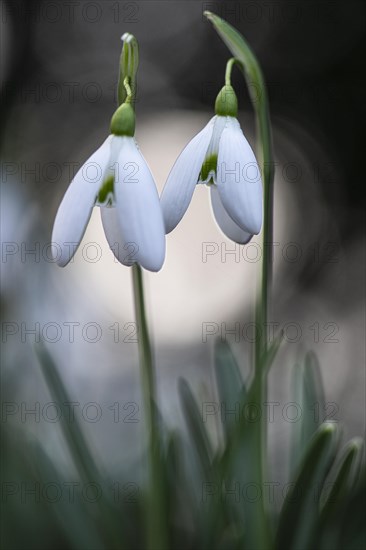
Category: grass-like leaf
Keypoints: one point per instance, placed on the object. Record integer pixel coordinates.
(339, 497)
(230, 385)
(298, 518)
(213, 513)
(351, 522)
(347, 474)
(78, 447)
(308, 394)
(72, 431)
(269, 356)
(196, 427)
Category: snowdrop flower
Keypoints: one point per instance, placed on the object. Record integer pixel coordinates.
(221, 157)
(118, 180)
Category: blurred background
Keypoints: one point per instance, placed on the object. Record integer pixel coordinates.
(59, 65)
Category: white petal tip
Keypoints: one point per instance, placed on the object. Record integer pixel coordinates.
(153, 266)
(152, 260)
(168, 225)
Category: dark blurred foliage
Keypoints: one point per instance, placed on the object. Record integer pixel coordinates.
(323, 507)
(311, 54)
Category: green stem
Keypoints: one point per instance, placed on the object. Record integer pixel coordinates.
(229, 68)
(147, 372)
(155, 508)
(262, 310)
(265, 145)
(265, 141)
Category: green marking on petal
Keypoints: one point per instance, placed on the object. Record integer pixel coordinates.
(210, 165)
(106, 190)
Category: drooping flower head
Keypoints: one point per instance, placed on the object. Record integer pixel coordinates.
(118, 180)
(221, 157)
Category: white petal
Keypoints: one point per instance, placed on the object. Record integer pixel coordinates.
(138, 207)
(76, 207)
(226, 224)
(181, 182)
(238, 179)
(124, 252)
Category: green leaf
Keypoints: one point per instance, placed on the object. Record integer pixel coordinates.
(182, 504)
(232, 465)
(24, 520)
(299, 514)
(240, 466)
(351, 521)
(213, 514)
(74, 517)
(344, 527)
(270, 354)
(343, 483)
(78, 448)
(196, 427)
(230, 386)
(72, 431)
(346, 476)
(68, 519)
(308, 394)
